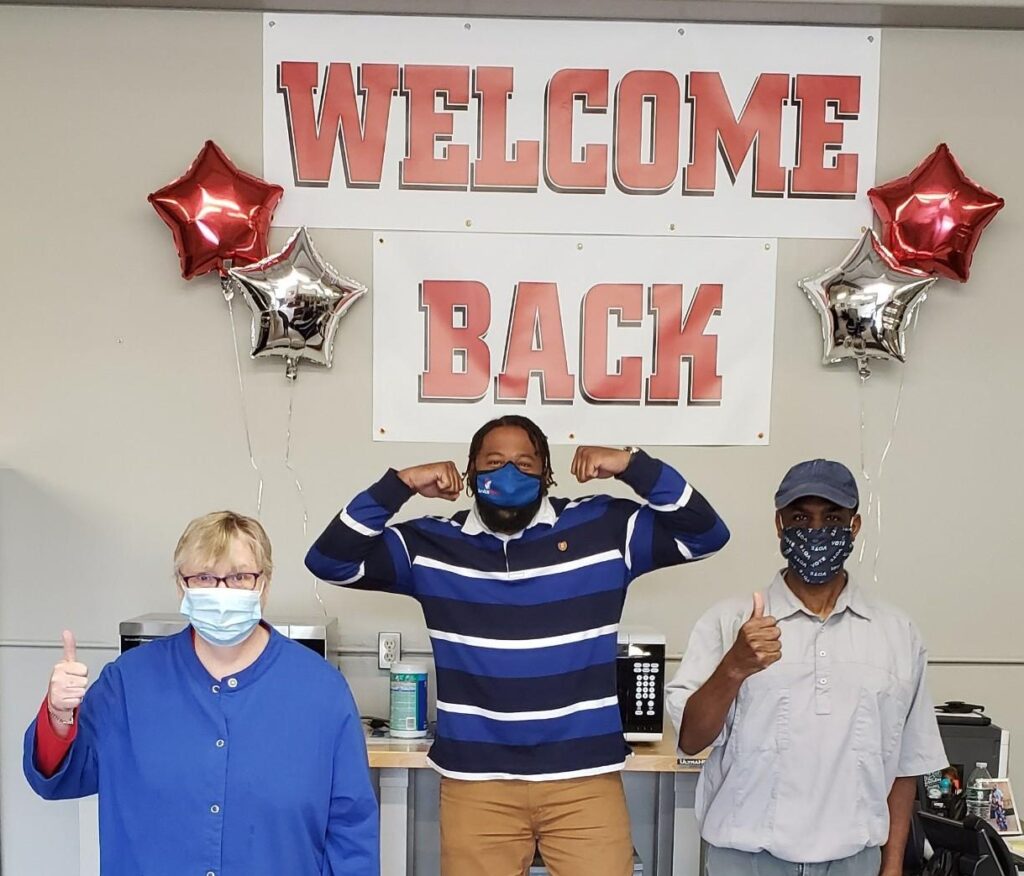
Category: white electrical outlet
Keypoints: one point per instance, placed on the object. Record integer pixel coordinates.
(389, 649)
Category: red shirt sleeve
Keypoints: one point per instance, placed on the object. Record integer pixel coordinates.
(51, 748)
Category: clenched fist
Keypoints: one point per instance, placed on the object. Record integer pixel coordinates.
(758, 645)
(67, 682)
(599, 462)
(435, 480)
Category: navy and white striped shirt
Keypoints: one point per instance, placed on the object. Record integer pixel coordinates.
(523, 627)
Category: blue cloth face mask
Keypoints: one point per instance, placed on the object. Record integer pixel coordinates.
(221, 615)
(507, 487)
(817, 555)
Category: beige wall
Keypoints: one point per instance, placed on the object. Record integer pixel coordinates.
(120, 408)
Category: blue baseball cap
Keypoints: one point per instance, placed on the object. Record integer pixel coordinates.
(822, 478)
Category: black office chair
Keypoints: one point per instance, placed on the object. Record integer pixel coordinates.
(971, 847)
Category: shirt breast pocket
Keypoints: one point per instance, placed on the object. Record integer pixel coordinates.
(882, 703)
(762, 714)
(760, 734)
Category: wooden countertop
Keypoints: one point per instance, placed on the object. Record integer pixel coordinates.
(651, 757)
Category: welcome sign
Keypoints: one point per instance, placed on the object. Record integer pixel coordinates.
(625, 128)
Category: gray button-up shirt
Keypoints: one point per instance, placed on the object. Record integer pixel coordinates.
(811, 745)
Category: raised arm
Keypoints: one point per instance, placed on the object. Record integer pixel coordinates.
(676, 524)
(358, 549)
(702, 693)
(60, 758)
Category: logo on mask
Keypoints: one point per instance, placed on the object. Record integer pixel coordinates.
(508, 487)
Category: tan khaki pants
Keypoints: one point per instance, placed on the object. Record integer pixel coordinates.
(491, 828)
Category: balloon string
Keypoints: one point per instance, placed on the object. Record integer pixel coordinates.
(298, 486)
(864, 468)
(881, 468)
(875, 484)
(229, 294)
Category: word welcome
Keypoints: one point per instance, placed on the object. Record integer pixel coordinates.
(666, 133)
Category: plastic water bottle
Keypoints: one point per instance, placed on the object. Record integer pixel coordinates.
(979, 792)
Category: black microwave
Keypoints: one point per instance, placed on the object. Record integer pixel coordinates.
(640, 672)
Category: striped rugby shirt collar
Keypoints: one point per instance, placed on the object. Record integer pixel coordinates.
(475, 526)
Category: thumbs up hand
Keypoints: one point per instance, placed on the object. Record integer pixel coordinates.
(758, 645)
(67, 682)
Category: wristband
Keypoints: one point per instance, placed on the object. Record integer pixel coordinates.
(57, 719)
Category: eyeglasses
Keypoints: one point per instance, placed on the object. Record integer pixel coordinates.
(236, 580)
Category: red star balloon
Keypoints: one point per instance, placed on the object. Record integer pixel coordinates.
(932, 218)
(217, 213)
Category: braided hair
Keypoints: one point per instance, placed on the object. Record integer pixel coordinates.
(537, 438)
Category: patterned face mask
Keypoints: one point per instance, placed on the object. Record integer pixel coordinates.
(817, 555)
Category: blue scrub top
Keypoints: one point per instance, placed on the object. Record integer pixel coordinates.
(260, 774)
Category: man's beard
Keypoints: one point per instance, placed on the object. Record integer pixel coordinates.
(507, 521)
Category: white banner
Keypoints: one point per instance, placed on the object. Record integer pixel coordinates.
(534, 126)
(610, 340)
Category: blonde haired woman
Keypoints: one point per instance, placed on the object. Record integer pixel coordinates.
(226, 750)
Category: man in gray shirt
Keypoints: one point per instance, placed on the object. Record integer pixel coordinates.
(813, 702)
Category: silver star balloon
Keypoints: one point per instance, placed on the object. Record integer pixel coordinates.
(297, 301)
(865, 304)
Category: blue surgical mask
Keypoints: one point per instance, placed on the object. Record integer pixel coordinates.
(507, 487)
(817, 555)
(221, 615)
